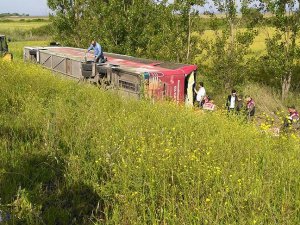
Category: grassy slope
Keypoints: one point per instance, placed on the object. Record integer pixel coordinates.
(72, 151)
(16, 48)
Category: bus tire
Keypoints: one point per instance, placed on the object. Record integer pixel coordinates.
(86, 74)
(101, 70)
(87, 67)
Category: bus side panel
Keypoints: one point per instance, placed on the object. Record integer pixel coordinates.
(175, 87)
(166, 87)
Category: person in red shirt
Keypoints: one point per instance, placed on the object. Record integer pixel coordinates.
(250, 108)
(293, 117)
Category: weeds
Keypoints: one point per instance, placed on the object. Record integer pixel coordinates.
(72, 154)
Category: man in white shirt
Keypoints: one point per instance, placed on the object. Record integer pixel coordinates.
(200, 94)
(232, 101)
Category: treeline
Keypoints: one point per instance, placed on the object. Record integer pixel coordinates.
(12, 14)
(174, 32)
(5, 20)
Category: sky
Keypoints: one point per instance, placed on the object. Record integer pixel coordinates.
(31, 7)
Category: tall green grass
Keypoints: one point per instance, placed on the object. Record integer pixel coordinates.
(73, 154)
(24, 30)
(17, 48)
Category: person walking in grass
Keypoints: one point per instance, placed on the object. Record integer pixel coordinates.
(200, 94)
(250, 108)
(293, 117)
(232, 101)
(240, 104)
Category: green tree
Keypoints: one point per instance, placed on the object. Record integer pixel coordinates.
(227, 51)
(67, 19)
(187, 9)
(126, 27)
(282, 59)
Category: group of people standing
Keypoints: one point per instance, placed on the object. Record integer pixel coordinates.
(235, 104)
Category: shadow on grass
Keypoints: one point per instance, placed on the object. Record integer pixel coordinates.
(33, 189)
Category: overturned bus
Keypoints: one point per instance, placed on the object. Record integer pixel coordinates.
(128, 75)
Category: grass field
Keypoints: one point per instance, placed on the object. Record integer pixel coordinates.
(73, 154)
(23, 34)
(19, 25)
(16, 48)
(258, 47)
(24, 18)
(22, 30)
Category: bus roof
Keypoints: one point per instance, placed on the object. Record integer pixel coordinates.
(127, 63)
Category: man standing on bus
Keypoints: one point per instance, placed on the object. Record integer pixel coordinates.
(98, 52)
